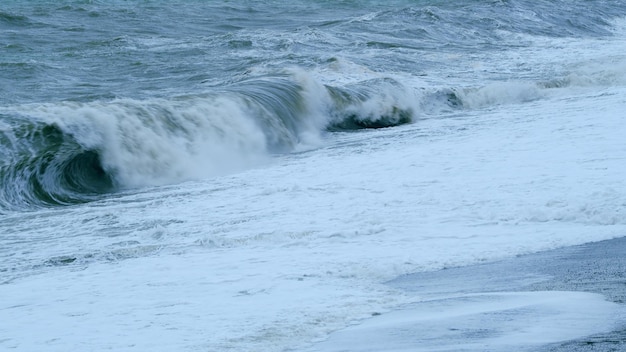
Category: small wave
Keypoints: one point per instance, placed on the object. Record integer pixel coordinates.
(498, 93)
(606, 72)
(14, 20)
(489, 24)
(371, 104)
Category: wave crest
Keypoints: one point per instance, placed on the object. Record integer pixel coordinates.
(68, 152)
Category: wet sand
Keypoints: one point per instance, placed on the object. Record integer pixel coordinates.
(598, 267)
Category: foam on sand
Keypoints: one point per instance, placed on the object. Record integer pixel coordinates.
(481, 322)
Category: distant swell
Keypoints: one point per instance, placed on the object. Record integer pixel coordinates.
(8, 18)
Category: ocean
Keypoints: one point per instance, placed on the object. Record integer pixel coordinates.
(248, 175)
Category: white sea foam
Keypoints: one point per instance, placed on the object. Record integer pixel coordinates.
(279, 256)
(299, 245)
(159, 142)
(164, 141)
(520, 321)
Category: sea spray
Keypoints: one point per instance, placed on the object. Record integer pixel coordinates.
(74, 151)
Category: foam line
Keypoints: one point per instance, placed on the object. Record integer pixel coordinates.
(481, 322)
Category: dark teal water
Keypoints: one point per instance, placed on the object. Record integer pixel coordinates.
(88, 50)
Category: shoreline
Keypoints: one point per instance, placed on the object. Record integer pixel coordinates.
(493, 306)
(597, 267)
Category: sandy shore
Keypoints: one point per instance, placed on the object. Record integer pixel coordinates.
(528, 303)
(595, 267)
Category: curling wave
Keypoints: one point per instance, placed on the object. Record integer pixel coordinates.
(44, 165)
(72, 152)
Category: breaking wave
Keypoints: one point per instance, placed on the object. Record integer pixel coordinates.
(72, 152)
